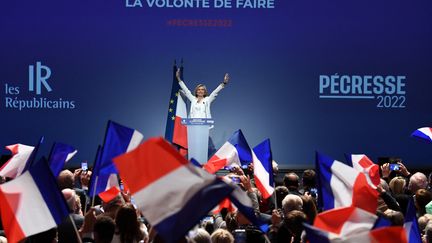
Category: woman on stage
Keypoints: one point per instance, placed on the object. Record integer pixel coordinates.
(200, 100)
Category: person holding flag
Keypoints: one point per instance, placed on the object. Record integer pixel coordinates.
(200, 99)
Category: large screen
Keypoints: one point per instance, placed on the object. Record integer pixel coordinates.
(330, 76)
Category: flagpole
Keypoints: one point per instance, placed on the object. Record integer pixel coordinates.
(274, 193)
(75, 228)
(94, 191)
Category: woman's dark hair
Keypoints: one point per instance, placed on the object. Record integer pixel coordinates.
(128, 225)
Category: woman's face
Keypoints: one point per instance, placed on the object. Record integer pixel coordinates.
(200, 92)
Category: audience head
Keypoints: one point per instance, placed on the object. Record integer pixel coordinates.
(111, 207)
(292, 202)
(222, 236)
(291, 181)
(127, 224)
(422, 197)
(395, 217)
(103, 229)
(65, 179)
(73, 201)
(309, 179)
(201, 236)
(417, 181)
(281, 192)
(397, 185)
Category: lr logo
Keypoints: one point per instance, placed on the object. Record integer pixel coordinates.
(40, 78)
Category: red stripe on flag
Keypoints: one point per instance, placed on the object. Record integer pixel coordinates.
(389, 235)
(333, 220)
(180, 133)
(212, 166)
(8, 208)
(364, 196)
(138, 169)
(261, 188)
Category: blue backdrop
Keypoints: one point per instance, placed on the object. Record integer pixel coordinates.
(113, 60)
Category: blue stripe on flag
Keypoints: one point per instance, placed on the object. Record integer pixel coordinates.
(242, 147)
(47, 184)
(323, 167)
(175, 88)
(264, 154)
(57, 157)
(314, 235)
(177, 225)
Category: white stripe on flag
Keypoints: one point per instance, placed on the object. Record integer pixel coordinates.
(32, 213)
(70, 155)
(136, 139)
(262, 174)
(229, 152)
(342, 181)
(181, 107)
(427, 131)
(171, 191)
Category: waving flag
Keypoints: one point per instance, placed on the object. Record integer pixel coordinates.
(118, 140)
(172, 194)
(31, 203)
(411, 225)
(381, 235)
(16, 164)
(60, 154)
(263, 169)
(345, 221)
(175, 132)
(423, 133)
(235, 151)
(341, 185)
(363, 164)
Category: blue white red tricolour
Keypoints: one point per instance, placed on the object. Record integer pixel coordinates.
(423, 133)
(341, 186)
(31, 203)
(118, 140)
(16, 164)
(175, 132)
(184, 191)
(263, 170)
(235, 151)
(365, 165)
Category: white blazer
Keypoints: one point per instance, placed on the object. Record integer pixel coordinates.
(202, 109)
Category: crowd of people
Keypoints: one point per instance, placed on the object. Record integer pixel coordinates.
(295, 202)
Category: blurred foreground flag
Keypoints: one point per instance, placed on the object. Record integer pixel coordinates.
(118, 140)
(172, 194)
(423, 133)
(16, 164)
(263, 170)
(235, 151)
(347, 221)
(381, 235)
(341, 185)
(31, 203)
(363, 164)
(60, 154)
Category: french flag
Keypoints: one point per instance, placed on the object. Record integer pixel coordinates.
(171, 193)
(60, 154)
(411, 225)
(118, 140)
(423, 133)
(16, 164)
(235, 151)
(381, 235)
(175, 132)
(263, 170)
(31, 203)
(341, 186)
(363, 164)
(346, 221)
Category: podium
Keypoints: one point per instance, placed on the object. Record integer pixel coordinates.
(198, 137)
